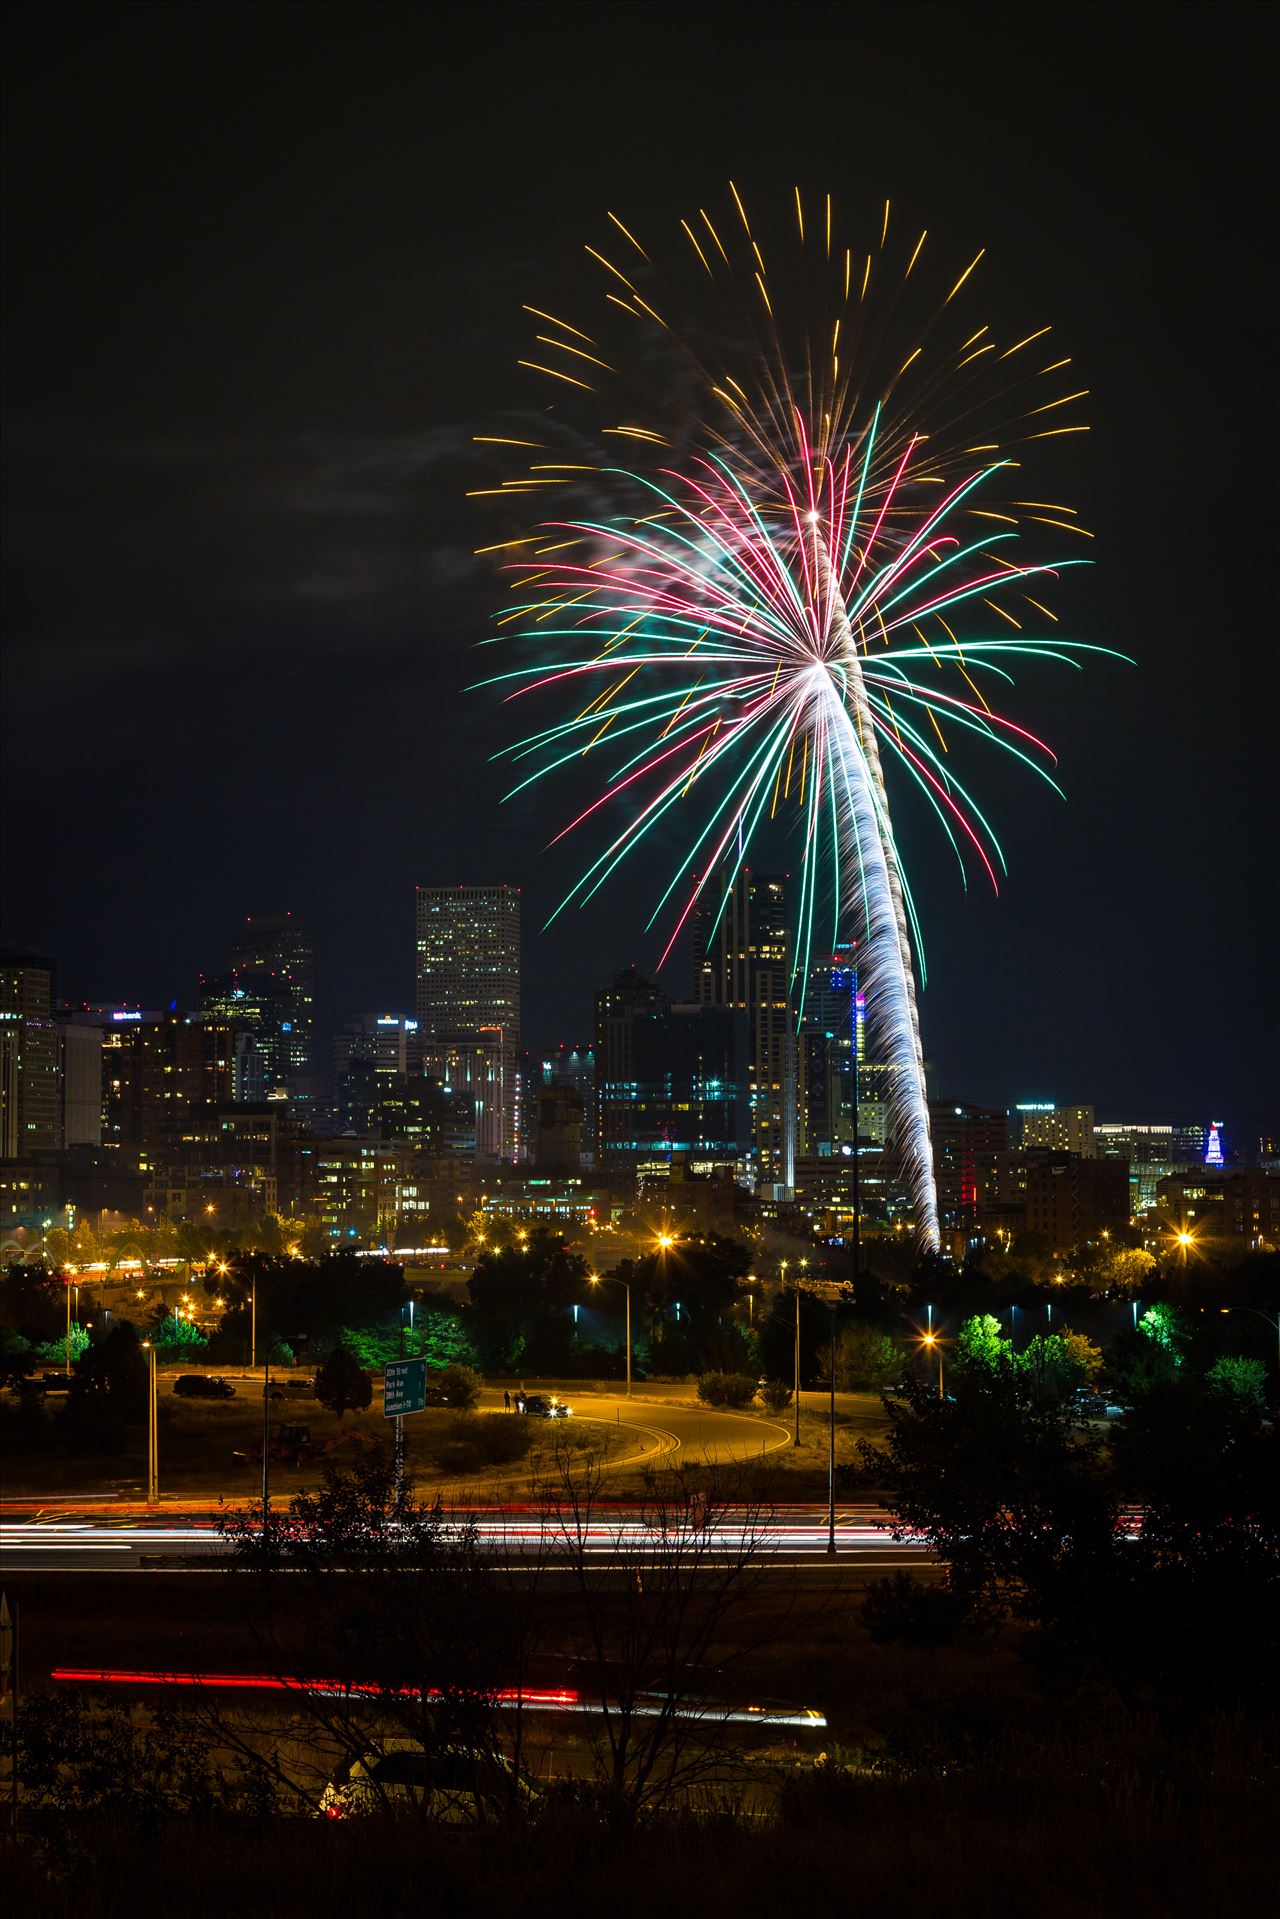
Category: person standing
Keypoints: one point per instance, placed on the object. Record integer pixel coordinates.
(506, 1402)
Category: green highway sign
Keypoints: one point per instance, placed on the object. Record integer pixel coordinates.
(404, 1387)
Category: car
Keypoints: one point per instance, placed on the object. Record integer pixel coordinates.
(300, 1386)
(546, 1406)
(203, 1386)
(56, 1383)
(457, 1786)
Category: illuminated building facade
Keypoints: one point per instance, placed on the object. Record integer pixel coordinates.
(1149, 1152)
(742, 960)
(967, 1142)
(468, 1003)
(273, 962)
(687, 1090)
(1058, 1129)
(28, 1057)
(617, 1008)
(1071, 1199)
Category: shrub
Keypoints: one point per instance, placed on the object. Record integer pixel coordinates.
(460, 1385)
(457, 1456)
(776, 1395)
(54, 1351)
(726, 1389)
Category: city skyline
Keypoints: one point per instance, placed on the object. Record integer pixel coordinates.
(282, 511)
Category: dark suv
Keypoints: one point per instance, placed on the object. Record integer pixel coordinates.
(203, 1386)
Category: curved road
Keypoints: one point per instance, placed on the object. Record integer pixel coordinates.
(686, 1435)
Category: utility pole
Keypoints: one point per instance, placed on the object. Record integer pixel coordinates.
(399, 1468)
(153, 1430)
(796, 1440)
(266, 1454)
(831, 1443)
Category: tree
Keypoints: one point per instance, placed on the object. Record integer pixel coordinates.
(521, 1300)
(114, 1374)
(1002, 1484)
(54, 1351)
(1057, 1365)
(1165, 1326)
(866, 1358)
(666, 1628)
(981, 1345)
(342, 1385)
(1127, 1270)
(425, 1638)
(17, 1360)
(1247, 1378)
(177, 1339)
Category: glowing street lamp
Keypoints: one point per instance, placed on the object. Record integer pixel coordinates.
(932, 1343)
(598, 1279)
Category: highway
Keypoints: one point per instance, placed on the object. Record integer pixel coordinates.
(129, 1539)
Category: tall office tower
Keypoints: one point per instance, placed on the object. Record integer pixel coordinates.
(468, 979)
(1059, 1129)
(744, 962)
(616, 1008)
(272, 967)
(833, 1021)
(1190, 1140)
(28, 1056)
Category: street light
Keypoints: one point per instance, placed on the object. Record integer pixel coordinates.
(598, 1279)
(932, 1341)
(1265, 1317)
(153, 1462)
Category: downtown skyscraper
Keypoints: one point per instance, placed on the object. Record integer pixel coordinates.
(468, 1003)
(266, 1000)
(742, 959)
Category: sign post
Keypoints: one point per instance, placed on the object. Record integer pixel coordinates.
(404, 1390)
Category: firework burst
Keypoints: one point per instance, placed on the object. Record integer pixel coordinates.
(808, 558)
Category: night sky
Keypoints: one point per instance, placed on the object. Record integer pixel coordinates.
(265, 271)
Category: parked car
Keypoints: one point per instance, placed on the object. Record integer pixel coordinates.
(307, 1386)
(203, 1386)
(545, 1406)
(56, 1383)
(459, 1786)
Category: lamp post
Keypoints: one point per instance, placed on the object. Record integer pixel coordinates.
(1266, 1320)
(153, 1434)
(68, 1329)
(598, 1279)
(831, 1442)
(266, 1454)
(253, 1329)
(931, 1340)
